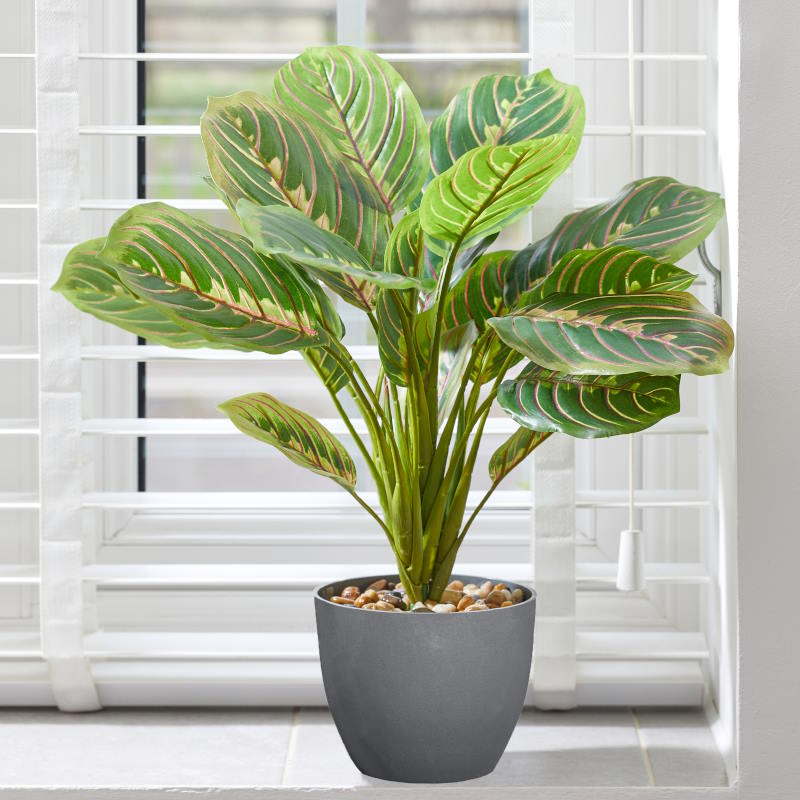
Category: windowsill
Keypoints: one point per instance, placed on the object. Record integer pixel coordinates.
(279, 752)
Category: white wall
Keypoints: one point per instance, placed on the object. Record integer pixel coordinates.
(768, 386)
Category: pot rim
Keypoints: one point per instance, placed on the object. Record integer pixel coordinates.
(390, 576)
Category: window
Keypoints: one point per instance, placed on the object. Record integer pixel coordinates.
(188, 545)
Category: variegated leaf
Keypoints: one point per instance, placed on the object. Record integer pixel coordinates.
(285, 231)
(393, 345)
(403, 254)
(589, 406)
(437, 252)
(95, 287)
(513, 452)
(319, 359)
(478, 295)
(609, 270)
(454, 356)
(505, 109)
(297, 435)
(263, 152)
(658, 216)
(489, 187)
(367, 110)
(211, 281)
(660, 333)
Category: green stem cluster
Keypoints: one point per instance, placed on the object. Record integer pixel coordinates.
(422, 471)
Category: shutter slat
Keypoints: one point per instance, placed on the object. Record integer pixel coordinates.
(305, 577)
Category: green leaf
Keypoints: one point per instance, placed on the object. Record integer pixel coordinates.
(393, 345)
(296, 434)
(266, 153)
(661, 333)
(365, 107)
(285, 231)
(488, 187)
(609, 270)
(456, 349)
(330, 371)
(438, 251)
(212, 282)
(657, 216)
(404, 251)
(513, 452)
(478, 295)
(589, 406)
(95, 287)
(505, 109)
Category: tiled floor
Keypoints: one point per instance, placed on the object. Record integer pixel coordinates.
(281, 748)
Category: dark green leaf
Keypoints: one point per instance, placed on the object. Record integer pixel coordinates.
(297, 435)
(657, 216)
(285, 231)
(589, 406)
(95, 287)
(513, 452)
(211, 281)
(661, 333)
(609, 270)
(365, 107)
(266, 153)
(505, 109)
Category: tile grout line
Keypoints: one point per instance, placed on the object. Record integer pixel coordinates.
(648, 765)
(290, 747)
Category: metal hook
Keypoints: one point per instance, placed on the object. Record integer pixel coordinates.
(716, 276)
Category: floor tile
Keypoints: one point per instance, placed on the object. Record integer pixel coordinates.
(143, 748)
(681, 747)
(571, 748)
(577, 748)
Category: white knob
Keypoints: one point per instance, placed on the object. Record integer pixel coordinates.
(630, 570)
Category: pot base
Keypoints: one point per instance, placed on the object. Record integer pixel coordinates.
(424, 698)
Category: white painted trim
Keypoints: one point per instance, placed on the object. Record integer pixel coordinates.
(61, 546)
(764, 231)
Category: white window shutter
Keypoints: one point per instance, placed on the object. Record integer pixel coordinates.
(201, 596)
(61, 549)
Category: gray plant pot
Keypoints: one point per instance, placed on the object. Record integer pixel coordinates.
(424, 698)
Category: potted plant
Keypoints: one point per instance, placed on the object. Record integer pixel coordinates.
(342, 189)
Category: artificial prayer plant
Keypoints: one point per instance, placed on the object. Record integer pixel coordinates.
(342, 190)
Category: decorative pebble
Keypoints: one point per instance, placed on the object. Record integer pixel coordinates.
(342, 601)
(495, 598)
(384, 595)
(389, 598)
(451, 596)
